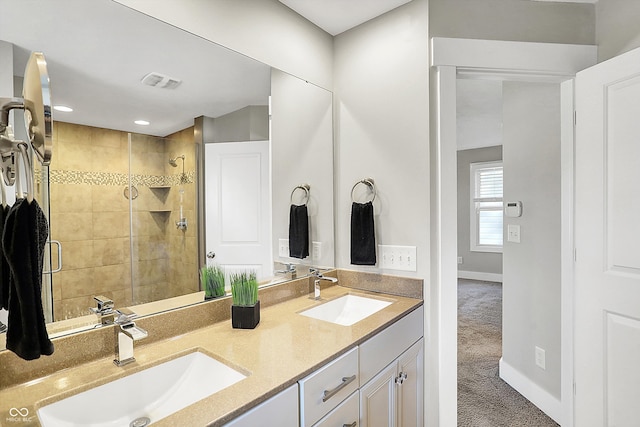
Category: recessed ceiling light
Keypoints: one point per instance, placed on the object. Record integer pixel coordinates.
(142, 122)
(63, 108)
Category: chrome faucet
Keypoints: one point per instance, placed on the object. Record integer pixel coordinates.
(317, 276)
(126, 333)
(104, 311)
(289, 270)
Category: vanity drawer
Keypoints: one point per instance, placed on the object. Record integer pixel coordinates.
(346, 414)
(324, 389)
(281, 410)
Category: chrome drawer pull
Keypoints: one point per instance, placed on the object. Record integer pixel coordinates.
(328, 394)
(353, 424)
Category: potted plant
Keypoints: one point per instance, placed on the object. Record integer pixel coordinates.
(212, 279)
(245, 311)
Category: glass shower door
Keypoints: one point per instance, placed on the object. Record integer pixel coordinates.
(164, 242)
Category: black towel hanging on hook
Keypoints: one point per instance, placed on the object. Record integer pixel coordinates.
(363, 239)
(363, 235)
(23, 240)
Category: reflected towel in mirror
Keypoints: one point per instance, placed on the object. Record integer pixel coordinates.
(298, 231)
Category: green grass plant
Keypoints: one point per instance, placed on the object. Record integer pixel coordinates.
(244, 288)
(212, 279)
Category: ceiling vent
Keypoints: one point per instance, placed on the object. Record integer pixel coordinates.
(161, 80)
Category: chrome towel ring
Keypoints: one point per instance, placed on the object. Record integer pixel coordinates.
(303, 187)
(370, 184)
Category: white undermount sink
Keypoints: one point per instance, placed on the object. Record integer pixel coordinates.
(146, 396)
(346, 310)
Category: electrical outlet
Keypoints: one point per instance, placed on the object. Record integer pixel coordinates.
(540, 357)
(316, 250)
(460, 260)
(283, 248)
(397, 257)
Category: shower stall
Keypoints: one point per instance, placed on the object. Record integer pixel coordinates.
(124, 213)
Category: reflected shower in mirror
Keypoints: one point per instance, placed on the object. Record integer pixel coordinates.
(114, 197)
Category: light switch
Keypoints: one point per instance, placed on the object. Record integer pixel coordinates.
(283, 248)
(513, 233)
(397, 257)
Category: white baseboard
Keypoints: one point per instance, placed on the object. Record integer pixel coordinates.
(478, 275)
(547, 403)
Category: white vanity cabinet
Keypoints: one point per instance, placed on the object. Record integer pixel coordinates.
(379, 383)
(391, 375)
(280, 410)
(394, 397)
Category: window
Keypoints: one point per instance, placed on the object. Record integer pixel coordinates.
(486, 207)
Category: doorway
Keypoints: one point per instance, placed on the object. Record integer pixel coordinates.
(525, 121)
(451, 58)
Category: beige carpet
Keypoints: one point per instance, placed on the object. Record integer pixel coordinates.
(485, 400)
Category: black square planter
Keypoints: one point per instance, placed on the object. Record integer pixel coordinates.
(245, 317)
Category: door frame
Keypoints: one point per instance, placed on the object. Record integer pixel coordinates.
(470, 58)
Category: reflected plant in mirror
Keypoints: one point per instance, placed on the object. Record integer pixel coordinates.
(112, 195)
(212, 280)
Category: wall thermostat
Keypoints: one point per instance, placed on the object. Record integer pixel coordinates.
(513, 209)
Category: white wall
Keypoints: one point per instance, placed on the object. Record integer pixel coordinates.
(617, 27)
(265, 30)
(250, 123)
(301, 116)
(382, 131)
(381, 109)
(6, 70)
(536, 21)
(531, 272)
(474, 262)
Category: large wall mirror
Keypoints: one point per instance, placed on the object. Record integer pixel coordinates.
(157, 112)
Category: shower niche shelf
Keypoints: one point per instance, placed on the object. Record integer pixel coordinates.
(160, 211)
(160, 187)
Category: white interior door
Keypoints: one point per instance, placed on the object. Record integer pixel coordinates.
(607, 232)
(238, 206)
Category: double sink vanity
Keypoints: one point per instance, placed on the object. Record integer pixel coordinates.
(354, 358)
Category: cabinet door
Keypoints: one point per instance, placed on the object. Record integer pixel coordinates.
(281, 410)
(378, 399)
(410, 386)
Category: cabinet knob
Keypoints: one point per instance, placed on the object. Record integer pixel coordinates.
(401, 377)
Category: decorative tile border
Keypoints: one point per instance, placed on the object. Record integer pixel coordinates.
(118, 179)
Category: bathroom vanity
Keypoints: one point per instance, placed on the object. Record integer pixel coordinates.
(369, 371)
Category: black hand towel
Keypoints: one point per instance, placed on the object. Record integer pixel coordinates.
(363, 240)
(298, 232)
(25, 234)
(4, 267)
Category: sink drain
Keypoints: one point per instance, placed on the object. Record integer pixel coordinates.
(140, 422)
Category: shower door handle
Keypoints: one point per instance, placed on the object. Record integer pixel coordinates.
(59, 257)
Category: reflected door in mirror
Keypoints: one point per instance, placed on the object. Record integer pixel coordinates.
(238, 206)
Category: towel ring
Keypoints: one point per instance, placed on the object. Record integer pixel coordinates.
(305, 188)
(370, 184)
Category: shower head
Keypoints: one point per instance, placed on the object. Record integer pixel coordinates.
(174, 162)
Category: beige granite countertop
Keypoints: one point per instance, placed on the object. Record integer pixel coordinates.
(282, 349)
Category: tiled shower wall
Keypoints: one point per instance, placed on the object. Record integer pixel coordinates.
(102, 243)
